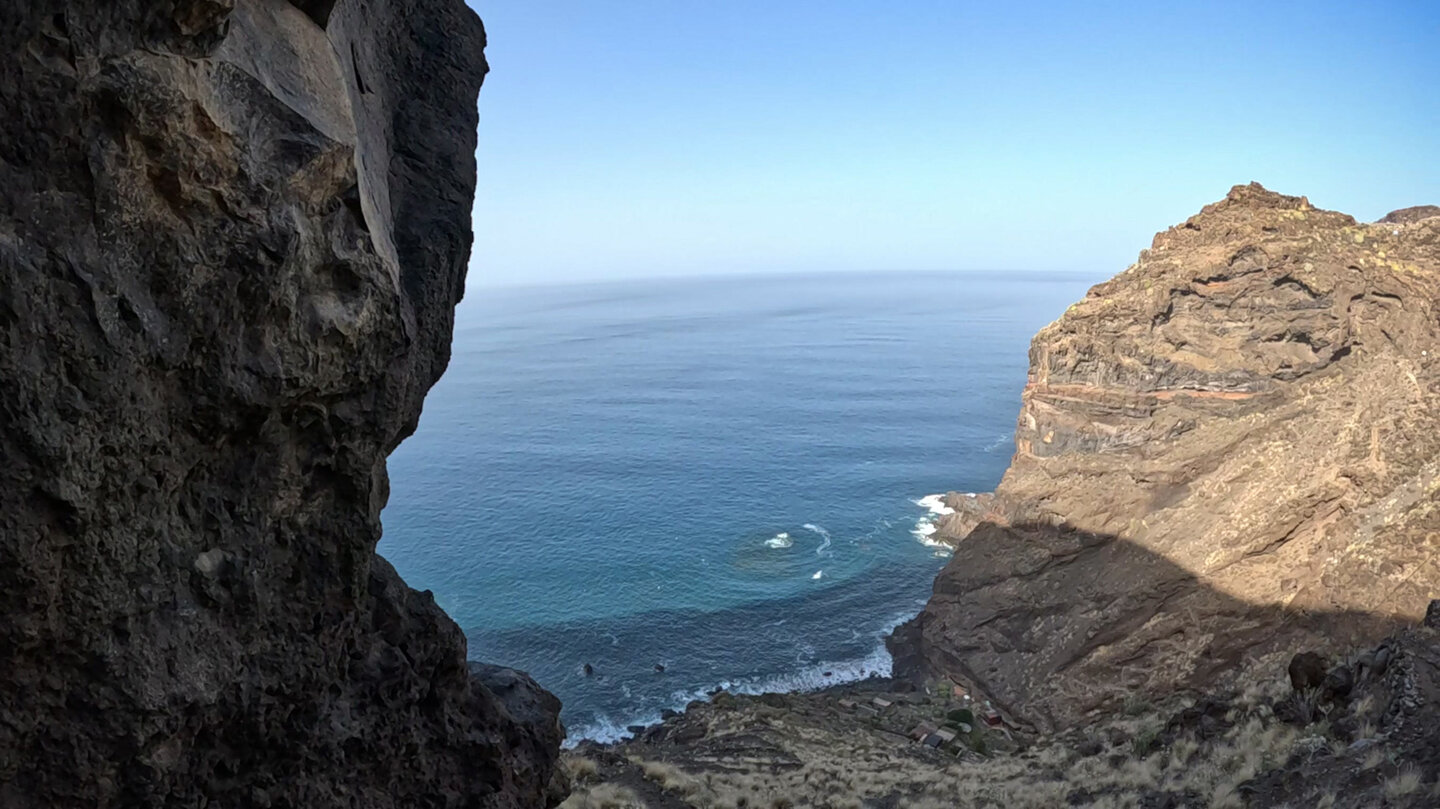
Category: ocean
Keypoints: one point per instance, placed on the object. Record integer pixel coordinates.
(705, 483)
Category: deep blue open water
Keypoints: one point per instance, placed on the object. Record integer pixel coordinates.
(716, 476)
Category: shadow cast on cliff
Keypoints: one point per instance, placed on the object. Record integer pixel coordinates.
(1051, 622)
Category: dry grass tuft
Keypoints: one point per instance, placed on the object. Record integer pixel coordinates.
(1183, 750)
(1403, 784)
(603, 796)
(580, 769)
(816, 764)
(1226, 796)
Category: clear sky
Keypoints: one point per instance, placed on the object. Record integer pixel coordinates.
(640, 138)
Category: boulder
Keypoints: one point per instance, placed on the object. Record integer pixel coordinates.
(1339, 681)
(1307, 670)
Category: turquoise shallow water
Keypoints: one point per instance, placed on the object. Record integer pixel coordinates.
(715, 476)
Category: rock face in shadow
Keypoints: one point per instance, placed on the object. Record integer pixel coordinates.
(1251, 402)
(232, 234)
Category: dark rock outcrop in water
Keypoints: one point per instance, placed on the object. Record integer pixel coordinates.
(232, 234)
(1252, 403)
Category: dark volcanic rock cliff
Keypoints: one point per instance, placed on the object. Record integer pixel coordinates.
(232, 234)
(1226, 451)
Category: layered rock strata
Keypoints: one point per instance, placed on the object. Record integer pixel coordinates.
(232, 234)
(1228, 449)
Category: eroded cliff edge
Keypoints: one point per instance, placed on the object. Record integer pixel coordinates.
(1228, 451)
(232, 234)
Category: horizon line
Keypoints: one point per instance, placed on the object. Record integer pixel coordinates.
(473, 282)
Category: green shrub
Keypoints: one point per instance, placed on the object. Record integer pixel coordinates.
(963, 716)
(1144, 741)
(1136, 705)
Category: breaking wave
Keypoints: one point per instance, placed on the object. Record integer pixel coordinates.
(812, 677)
(925, 526)
(780, 540)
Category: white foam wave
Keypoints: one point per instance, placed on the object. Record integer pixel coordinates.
(935, 503)
(607, 730)
(780, 540)
(925, 527)
(812, 677)
(1004, 439)
(824, 536)
(878, 663)
(924, 531)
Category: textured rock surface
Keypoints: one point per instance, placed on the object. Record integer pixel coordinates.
(1387, 725)
(232, 234)
(1228, 449)
(1415, 214)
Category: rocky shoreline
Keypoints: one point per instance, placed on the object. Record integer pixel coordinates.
(1222, 460)
(1366, 735)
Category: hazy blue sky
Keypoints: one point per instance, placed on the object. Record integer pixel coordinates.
(636, 138)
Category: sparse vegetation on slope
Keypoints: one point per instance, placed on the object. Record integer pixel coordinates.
(1267, 745)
